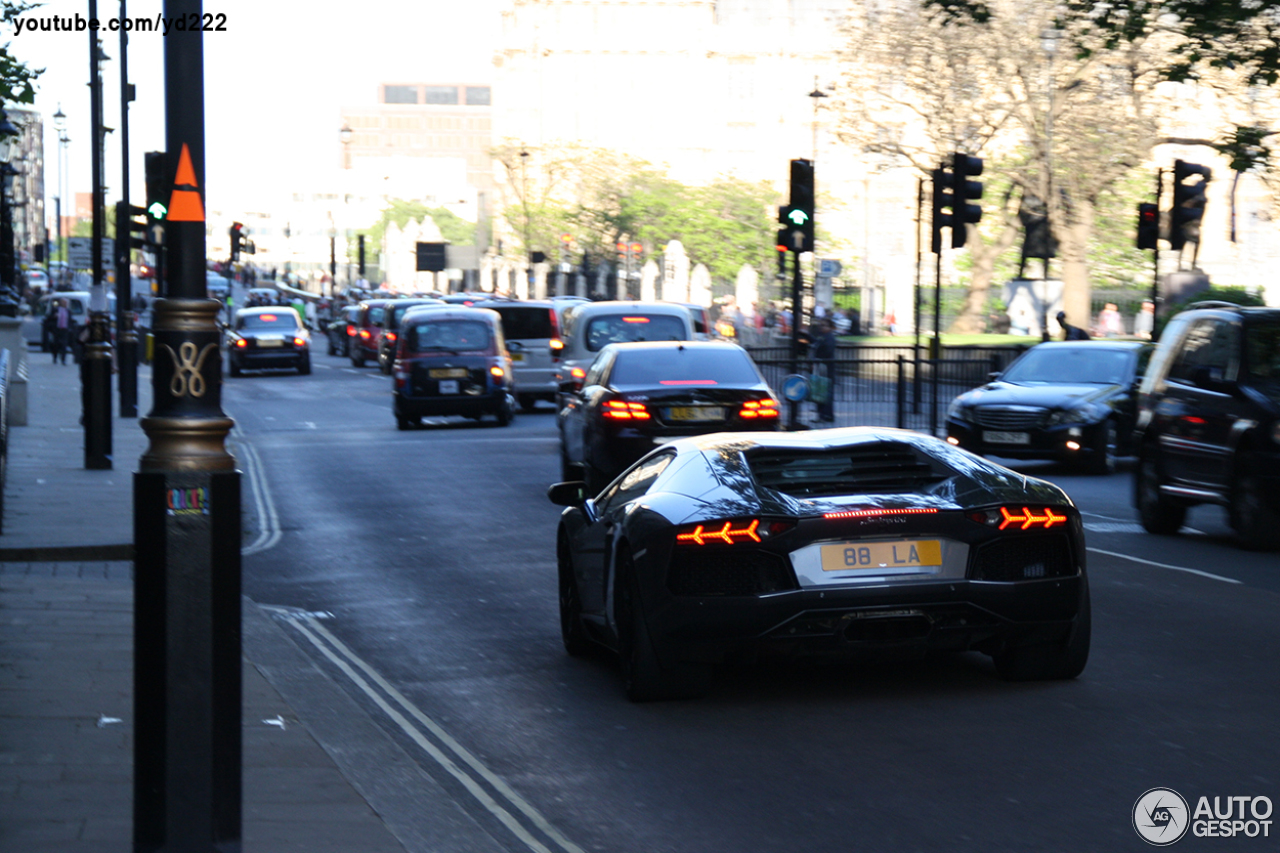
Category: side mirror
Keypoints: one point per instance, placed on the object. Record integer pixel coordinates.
(994, 375)
(572, 493)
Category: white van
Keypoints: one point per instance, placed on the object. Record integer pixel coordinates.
(590, 326)
(77, 300)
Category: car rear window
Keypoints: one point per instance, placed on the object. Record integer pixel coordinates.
(454, 335)
(879, 467)
(376, 313)
(525, 322)
(625, 328)
(275, 320)
(683, 366)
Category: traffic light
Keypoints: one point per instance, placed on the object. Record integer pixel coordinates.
(942, 202)
(1188, 202)
(566, 240)
(361, 267)
(237, 239)
(964, 167)
(157, 187)
(1148, 226)
(637, 250)
(134, 231)
(799, 214)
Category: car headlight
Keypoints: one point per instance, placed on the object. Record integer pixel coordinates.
(1086, 414)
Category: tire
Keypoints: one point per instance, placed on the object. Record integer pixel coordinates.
(643, 678)
(1158, 514)
(357, 358)
(403, 423)
(1050, 661)
(333, 350)
(506, 412)
(528, 402)
(304, 366)
(233, 368)
(1105, 449)
(384, 365)
(569, 471)
(1257, 526)
(572, 632)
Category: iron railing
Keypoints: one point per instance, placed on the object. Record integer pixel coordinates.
(891, 385)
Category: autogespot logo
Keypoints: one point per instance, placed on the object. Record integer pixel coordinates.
(1160, 816)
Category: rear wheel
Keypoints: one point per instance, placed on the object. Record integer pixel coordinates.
(1050, 661)
(572, 631)
(233, 368)
(644, 679)
(304, 366)
(357, 358)
(1256, 524)
(1158, 513)
(527, 402)
(506, 412)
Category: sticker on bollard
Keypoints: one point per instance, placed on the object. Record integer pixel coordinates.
(795, 387)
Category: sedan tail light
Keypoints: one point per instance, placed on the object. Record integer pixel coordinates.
(621, 410)
(391, 337)
(241, 343)
(299, 342)
(364, 333)
(759, 409)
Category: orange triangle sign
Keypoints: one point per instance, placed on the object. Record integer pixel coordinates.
(184, 202)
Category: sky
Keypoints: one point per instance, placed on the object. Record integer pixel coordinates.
(275, 80)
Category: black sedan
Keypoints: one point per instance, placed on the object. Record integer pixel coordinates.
(341, 329)
(1073, 402)
(266, 338)
(837, 542)
(638, 395)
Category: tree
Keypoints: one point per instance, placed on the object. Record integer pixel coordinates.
(601, 197)
(1052, 124)
(17, 79)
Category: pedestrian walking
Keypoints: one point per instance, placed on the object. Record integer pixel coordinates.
(824, 368)
(61, 328)
(1070, 332)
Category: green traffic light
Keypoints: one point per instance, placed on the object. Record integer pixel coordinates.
(157, 210)
(799, 217)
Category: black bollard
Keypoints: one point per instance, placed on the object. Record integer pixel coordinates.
(95, 393)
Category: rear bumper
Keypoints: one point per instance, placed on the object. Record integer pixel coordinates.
(951, 616)
(267, 359)
(466, 405)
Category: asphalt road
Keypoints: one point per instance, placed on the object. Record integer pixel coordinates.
(417, 570)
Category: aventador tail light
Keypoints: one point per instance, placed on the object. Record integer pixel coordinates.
(734, 532)
(728, 533)
(1019, 518)
(759, 409)
(870, 513)
(621, 410)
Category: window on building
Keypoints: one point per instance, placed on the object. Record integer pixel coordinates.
(400, 95)
(441, 94)
(477, 96)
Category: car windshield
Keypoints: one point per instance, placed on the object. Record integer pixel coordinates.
(1071, 366)
(283, 321)
(1262, 357)
(625, 328)
(448, 335)
(525, 322)
(683, 366)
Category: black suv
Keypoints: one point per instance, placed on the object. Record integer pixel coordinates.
(1208, 428)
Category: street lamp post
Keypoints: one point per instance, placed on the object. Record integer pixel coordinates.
(344, 135)
(60, 125)
(817, 94)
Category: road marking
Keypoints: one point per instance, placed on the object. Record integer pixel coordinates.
(1209, 575)
(332, 648)
(268, 519)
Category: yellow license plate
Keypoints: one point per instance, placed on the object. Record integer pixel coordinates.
(448, 373)
(697, 413)
(874, 556)
(517, 356)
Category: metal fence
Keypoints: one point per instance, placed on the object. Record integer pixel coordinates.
(892, 386)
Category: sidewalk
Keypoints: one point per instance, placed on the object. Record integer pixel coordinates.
(66, 666)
